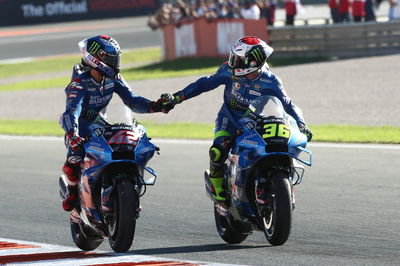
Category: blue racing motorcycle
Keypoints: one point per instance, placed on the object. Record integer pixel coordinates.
(260, 172)
(114, 170)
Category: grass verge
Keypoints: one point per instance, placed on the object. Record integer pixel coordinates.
(322, 133)
(48, 70)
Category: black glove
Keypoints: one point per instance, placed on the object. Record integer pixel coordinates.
(306, 131)
(165, 104)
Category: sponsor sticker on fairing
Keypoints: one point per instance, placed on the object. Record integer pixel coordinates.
(256, 93)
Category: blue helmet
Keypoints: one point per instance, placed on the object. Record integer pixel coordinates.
(102, 53)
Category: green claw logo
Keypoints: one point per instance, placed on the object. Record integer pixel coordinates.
(257, 54)
(94, 47)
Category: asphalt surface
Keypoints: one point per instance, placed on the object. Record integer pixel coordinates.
(346, 211)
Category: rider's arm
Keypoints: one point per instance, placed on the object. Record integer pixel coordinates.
(288, 104)
(69, 119)
(137, 104)
(204, 84)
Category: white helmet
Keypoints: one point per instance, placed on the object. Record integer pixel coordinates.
(248, 54)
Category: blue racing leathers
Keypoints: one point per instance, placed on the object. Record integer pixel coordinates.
(238, 93)
(86, 98)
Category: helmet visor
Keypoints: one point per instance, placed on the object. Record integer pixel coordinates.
(236, 61)
(109, 59)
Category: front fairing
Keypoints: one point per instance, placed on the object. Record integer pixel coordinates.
(102, 149)
(251, 147)
(124, 145)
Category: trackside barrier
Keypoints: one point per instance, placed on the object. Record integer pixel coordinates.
(202, 38)
(342, 41)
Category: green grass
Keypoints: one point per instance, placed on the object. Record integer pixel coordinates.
(65, 63)
(58, 82)
(325, 133)
(48, 69)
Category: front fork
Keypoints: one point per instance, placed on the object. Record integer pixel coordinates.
(263, 198)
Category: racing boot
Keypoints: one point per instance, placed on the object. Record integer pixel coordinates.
(216, 176)
(218, 182)
(71, 197)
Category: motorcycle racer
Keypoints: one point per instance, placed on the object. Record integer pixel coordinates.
(92, 85)
(246, 76)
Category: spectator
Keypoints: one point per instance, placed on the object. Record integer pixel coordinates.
(205, 10)
(162, 17)
(232, 9)
(370, 8)
(291, 11)
(250, 10)
(334, 8)
(182, 12)
(268, 10)
(344, 10)
(394, 9)
(358, 10)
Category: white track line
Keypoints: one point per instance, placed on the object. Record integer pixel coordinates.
(109, 257)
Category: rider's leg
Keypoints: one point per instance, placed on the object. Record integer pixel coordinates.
(71, 169)
(218, 154)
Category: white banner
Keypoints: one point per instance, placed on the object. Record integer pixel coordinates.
(185, 44)
(227, 34)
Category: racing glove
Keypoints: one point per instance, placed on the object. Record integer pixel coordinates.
(306, 131)
(179, 97)
(164, 104)
(74, 141)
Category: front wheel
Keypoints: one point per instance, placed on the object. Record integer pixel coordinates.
(277, 220)
(123, 222)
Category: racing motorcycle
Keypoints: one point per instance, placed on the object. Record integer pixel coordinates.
(114, 170)
(264, 164)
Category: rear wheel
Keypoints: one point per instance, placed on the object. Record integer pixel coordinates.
(122, 224)
(84, 237)
(277, 220)
(230, 230)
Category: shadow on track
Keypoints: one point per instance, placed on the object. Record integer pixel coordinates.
(192, 249)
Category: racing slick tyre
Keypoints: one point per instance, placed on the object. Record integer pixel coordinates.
(123, 222)
(277, 220)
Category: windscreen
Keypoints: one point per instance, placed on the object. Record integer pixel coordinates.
(266, 106)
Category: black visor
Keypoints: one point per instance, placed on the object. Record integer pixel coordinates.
(110, 60)
(236, 61)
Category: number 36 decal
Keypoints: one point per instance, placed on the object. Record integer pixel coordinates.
(276, 130)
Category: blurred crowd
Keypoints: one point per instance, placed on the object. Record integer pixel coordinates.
(342, 11)
(179, 11)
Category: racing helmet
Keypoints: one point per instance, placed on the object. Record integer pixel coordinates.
(102, 53)
(248, 54)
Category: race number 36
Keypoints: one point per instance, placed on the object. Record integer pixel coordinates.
(276, 130)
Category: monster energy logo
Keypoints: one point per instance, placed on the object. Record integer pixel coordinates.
(94, 47)
(257, 54)
(90, 114)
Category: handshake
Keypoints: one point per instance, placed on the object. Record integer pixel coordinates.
(166, 103)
